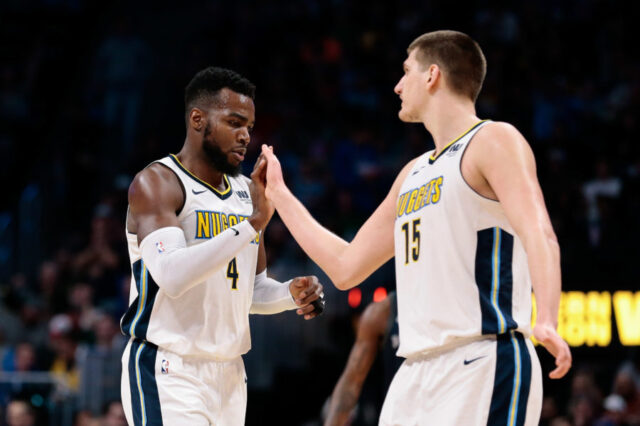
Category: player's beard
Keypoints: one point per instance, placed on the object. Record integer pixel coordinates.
(218, 159)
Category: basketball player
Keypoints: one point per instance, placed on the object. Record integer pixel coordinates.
(377, 332)
(199, 266)
(471, 237)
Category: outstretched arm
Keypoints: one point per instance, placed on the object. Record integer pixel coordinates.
(347, 264)
(369, 337)
(502, 156)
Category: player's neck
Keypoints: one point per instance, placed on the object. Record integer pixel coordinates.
(198, 164)
(449, 119)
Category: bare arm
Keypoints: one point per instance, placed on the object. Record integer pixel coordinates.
(504, 158)
(155, 196)
(347, 391)
(347, 264)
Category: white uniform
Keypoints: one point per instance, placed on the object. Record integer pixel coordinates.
(183, 362)
(464, 304)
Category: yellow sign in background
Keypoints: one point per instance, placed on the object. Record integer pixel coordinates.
(586, 318)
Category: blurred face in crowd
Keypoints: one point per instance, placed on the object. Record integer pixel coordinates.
(227, 129)
(412, 89)
(25, 357)
(19, 414)
(115, 415)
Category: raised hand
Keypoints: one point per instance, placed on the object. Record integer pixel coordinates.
(262, 208)
(274, 178)
(551, 340)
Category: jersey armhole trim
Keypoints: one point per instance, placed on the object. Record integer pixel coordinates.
(464, 150)
(184, 191)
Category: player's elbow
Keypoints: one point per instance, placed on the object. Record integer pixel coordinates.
(172, 288)
(345, 282)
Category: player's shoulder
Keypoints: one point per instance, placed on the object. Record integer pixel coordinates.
(375, 316)
(410, 165)
(499, 133)
(155, 182)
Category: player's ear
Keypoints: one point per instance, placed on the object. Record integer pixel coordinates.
(197, 119)
(433, 74)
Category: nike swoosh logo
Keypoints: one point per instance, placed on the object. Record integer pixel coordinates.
(236, 231)
(417, 171)
(467, 362)
(198, 192)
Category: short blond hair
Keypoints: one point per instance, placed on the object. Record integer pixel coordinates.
(459, 57)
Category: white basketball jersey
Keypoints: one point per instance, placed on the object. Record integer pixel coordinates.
(461, 270)
(211, 320)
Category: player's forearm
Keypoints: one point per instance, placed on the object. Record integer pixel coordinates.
(343, 400)
(543, 254)
(270, 296)
(324, 247)
(177, 268)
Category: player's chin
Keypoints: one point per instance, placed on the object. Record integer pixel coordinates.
(403, 115)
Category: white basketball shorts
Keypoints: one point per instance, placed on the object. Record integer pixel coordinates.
(162, 388)
(494, 381)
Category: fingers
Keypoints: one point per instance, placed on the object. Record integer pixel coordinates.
(300, 282)
(259, 168)
(311, 291)
(268, 152)
(259, 161)
(557, 347)
(306, 310)
(563, 359)
(306, 297)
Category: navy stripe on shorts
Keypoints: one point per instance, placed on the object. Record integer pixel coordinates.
(145, 402)
(512, 381)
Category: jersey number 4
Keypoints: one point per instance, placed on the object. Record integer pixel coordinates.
(232, 274)
(414, 240)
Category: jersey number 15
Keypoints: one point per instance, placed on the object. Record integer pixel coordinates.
(414, 240)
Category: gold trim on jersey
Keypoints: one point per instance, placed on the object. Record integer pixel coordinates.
(432, 158)
(224, 176)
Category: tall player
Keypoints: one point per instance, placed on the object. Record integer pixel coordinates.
(471, 236)
(199, 266)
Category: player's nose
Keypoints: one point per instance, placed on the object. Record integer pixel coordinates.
(244, 137)
(398, 88)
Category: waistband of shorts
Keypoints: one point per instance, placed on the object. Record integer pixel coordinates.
(185, 357)
(143, 342)
(463, 341)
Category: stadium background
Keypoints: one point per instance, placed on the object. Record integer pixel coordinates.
(90, 92)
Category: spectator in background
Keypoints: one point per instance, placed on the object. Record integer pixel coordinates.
(101, 368)
(625, 386)
(614, 408)
(83, 311)
(582, 409)
(20, 359)
(113, 414)
(99, 260)
(20, 413)
(64, 346)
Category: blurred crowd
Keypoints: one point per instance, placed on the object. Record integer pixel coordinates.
(91, 92)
